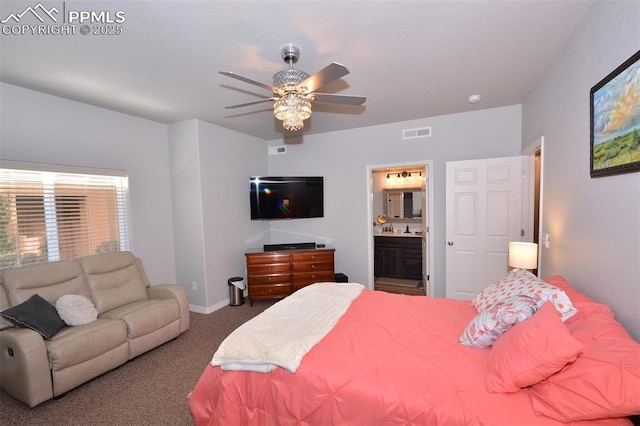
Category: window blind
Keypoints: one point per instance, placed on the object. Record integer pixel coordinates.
(51, 214)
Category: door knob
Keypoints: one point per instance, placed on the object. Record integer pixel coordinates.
(450, 243)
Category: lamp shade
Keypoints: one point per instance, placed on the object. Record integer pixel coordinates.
(523, 255)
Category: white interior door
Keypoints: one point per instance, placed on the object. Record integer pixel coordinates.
(424, 207)
(483, 213)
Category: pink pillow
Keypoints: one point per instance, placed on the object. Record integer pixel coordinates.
(604, 382)
(524, 283)
(583, 303)
(494, 321)
(530, 352)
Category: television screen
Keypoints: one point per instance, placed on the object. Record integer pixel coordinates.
(277, 197)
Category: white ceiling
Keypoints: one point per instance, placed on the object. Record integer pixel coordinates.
(411, 59)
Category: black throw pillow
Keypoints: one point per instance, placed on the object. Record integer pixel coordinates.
(36, 314)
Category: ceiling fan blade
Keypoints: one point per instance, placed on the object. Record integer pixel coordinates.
(325, 76)
(249, 103)
(329, 98)
(246, 80)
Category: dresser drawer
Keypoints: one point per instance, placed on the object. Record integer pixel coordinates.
(266, 269)
(320, 256)
(265, 259)
(269, 279)
(312, 277)
(305, 279)
(315, 266)
(283, 289)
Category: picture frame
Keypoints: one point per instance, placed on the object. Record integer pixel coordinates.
(615, 121)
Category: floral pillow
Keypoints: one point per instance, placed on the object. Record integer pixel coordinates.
(524, 283)
(495, 320)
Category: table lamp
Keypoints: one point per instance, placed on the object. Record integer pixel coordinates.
(523, 255)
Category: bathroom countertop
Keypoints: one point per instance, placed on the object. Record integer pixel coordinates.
(400, 234)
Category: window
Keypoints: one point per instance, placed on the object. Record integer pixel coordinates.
(50, 213)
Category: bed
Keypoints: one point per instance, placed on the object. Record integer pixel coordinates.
(398, 359)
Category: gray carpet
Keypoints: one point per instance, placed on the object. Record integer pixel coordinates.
(149, 390)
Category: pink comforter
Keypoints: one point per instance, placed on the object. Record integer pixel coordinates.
(391, 359)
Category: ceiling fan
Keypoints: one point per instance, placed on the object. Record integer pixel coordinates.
(295, 90)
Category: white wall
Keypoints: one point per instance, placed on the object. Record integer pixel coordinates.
(186, 190)
(227, 159)
(210, 169)
(342, 158)
(594, 224)
(42, 128)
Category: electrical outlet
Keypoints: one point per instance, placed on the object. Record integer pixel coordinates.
(194, 286)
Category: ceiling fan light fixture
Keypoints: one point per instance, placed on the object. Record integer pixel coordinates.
(289, 77)
(292, 110)
(295, 90)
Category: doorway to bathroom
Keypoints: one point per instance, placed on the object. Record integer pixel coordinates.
(400, 220)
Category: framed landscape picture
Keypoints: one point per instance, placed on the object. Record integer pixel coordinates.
(615, 121)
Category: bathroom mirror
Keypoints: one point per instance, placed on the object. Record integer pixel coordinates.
(403, 203)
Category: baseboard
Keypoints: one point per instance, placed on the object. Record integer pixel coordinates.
(209, 309)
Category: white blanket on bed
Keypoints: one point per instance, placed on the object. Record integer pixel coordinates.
(283, 334)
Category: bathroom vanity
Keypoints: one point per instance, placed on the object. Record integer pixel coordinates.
(398, 256)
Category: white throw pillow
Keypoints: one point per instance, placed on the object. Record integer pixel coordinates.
(520, 282)
(76, 310)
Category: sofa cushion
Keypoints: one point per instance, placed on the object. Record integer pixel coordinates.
(4, 304)
(50, 280)
(76, 310)
(146, 316)
(36, 314)
(114, 280)
(75, 345)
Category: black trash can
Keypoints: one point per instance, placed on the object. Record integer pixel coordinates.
(341, 278)
(236, 295)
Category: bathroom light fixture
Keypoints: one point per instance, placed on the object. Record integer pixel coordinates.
(404, 176)
(523, 255)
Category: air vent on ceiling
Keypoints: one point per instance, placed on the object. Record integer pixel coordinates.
(421, 132)
(277, 150)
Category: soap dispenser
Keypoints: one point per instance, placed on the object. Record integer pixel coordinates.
(407, 230)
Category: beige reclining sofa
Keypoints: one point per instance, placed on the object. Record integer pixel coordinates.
(133, 318)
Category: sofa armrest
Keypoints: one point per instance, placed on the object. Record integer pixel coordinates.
(173, 291)
(4, 324)
(24, 366)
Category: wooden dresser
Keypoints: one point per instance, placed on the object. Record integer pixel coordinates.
(277, 274)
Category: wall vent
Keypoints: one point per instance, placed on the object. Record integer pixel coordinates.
(421, 132)
(277, 150)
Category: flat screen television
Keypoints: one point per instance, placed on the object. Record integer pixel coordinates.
(286, 197)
